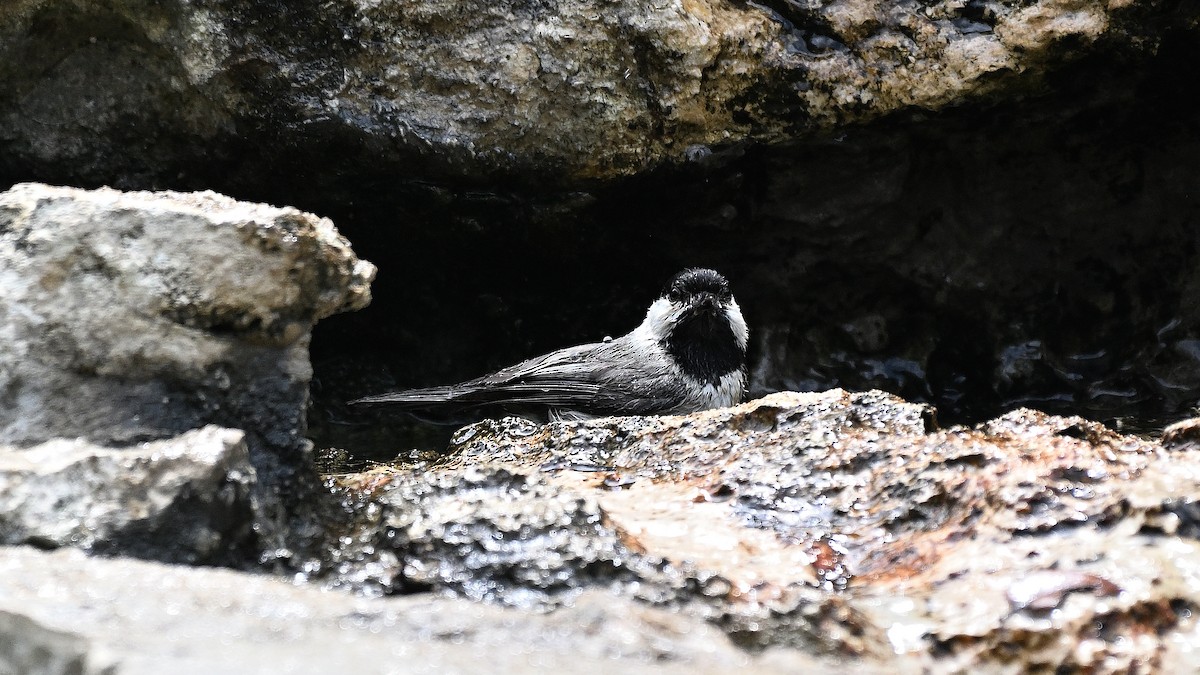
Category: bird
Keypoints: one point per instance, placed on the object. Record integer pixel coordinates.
(687, 355)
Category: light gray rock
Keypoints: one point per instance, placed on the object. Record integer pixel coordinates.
(28, 648)
(126, 617)
(127, 317)
(130, 315)
(186, 499)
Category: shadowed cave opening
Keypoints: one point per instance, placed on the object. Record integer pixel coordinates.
(1040, 252)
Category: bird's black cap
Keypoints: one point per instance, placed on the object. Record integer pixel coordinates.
(696, 280)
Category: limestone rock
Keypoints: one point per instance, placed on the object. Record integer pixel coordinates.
(187, 499)
(127, 317)
(833, 522)
(64, 613)
(29, 648)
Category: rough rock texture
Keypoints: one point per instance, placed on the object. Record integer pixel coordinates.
(145, 89)
(127, 317)
(186, 499)
(28, 647)
(839, 523)
(62, 613)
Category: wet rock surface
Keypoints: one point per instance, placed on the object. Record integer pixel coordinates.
(837, 523)
(64, 613)
(974, 204)
(186, 499)
(577, 89)
(132, 317)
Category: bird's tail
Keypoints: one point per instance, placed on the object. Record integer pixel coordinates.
(412, 398)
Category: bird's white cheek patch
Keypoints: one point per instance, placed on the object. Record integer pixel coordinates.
(738, 323)
(661, 317)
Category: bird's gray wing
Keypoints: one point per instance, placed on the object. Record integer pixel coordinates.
(605, 378)
(564, 378)
(636, 380)
(617, 377)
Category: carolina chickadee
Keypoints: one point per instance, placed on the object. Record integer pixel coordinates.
(688, 354)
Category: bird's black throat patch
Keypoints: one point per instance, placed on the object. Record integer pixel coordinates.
(705, 347)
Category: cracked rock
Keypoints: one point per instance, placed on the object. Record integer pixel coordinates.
(186, 499)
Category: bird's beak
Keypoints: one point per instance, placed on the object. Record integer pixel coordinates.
(707, 302)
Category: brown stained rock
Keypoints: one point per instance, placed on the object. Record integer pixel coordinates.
(835, 522)
(1046, 590)
(1184, 434)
